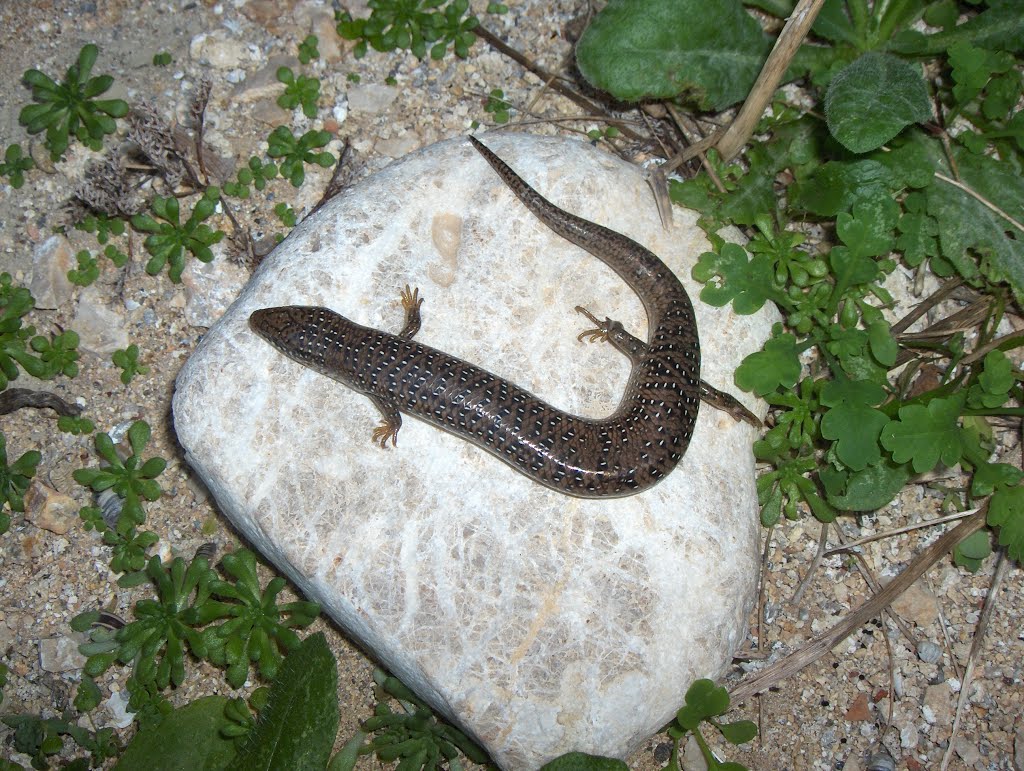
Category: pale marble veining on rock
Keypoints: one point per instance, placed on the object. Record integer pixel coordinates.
(541, 623)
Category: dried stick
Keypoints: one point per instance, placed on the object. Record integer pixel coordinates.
(906, 529)
(550, 79)
(1002, 564)
(17, 398)
(823, 643)
(791, 38)
(813, 568)
(926, 305)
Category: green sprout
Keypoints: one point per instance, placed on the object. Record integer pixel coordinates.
(131, 479)
(15, 302)
(170, 239)
(256, 173)
(498, 106)
(88, 269)
(161, 59)
(304, 91)
(257, 629)
(411, 25)
(69, 108)
(59, 355)
(704, 702)
(128, 360)
(285, 213)
(14, 166)
(129, 545)
(297, 152)
(102, 225)
(308, 49)
(596, 135)
(413, 736)
(75, 425)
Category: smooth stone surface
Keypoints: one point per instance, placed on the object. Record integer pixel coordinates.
(541, 623)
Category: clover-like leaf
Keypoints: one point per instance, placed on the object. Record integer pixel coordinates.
(925, 435)
(994, 382)
(1006, 512)
(777, 365)
(730, 275)
(853, 422)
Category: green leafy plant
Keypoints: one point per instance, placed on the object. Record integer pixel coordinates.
(129, 545)
(14, 166)
(296, 152)
(295, 728)
(75, 424)
(155, 643)
(69, 108)
(412, 25)
(162, 59)
(128, 360)
(852, 435)
(704, 703)
(298, 723)
(256, 628)
(301, 91)
(170, 239)
(166, 628)
(14, 480)
(59, 354)
(412, 735)
(20, 346)
(131, 479)
(498, 106)
(40, 738)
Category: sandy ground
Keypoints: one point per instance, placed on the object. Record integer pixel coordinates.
(871, 689)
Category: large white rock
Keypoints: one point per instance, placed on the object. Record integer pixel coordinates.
(539, 622)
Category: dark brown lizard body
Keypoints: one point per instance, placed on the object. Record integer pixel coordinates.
(625, 453)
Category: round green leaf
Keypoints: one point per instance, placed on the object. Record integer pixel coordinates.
(873, 99)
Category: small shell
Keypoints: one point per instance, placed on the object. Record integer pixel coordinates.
(110, 504)
(207, 550)
(109, 620)
(880, 761)
(929, 652)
